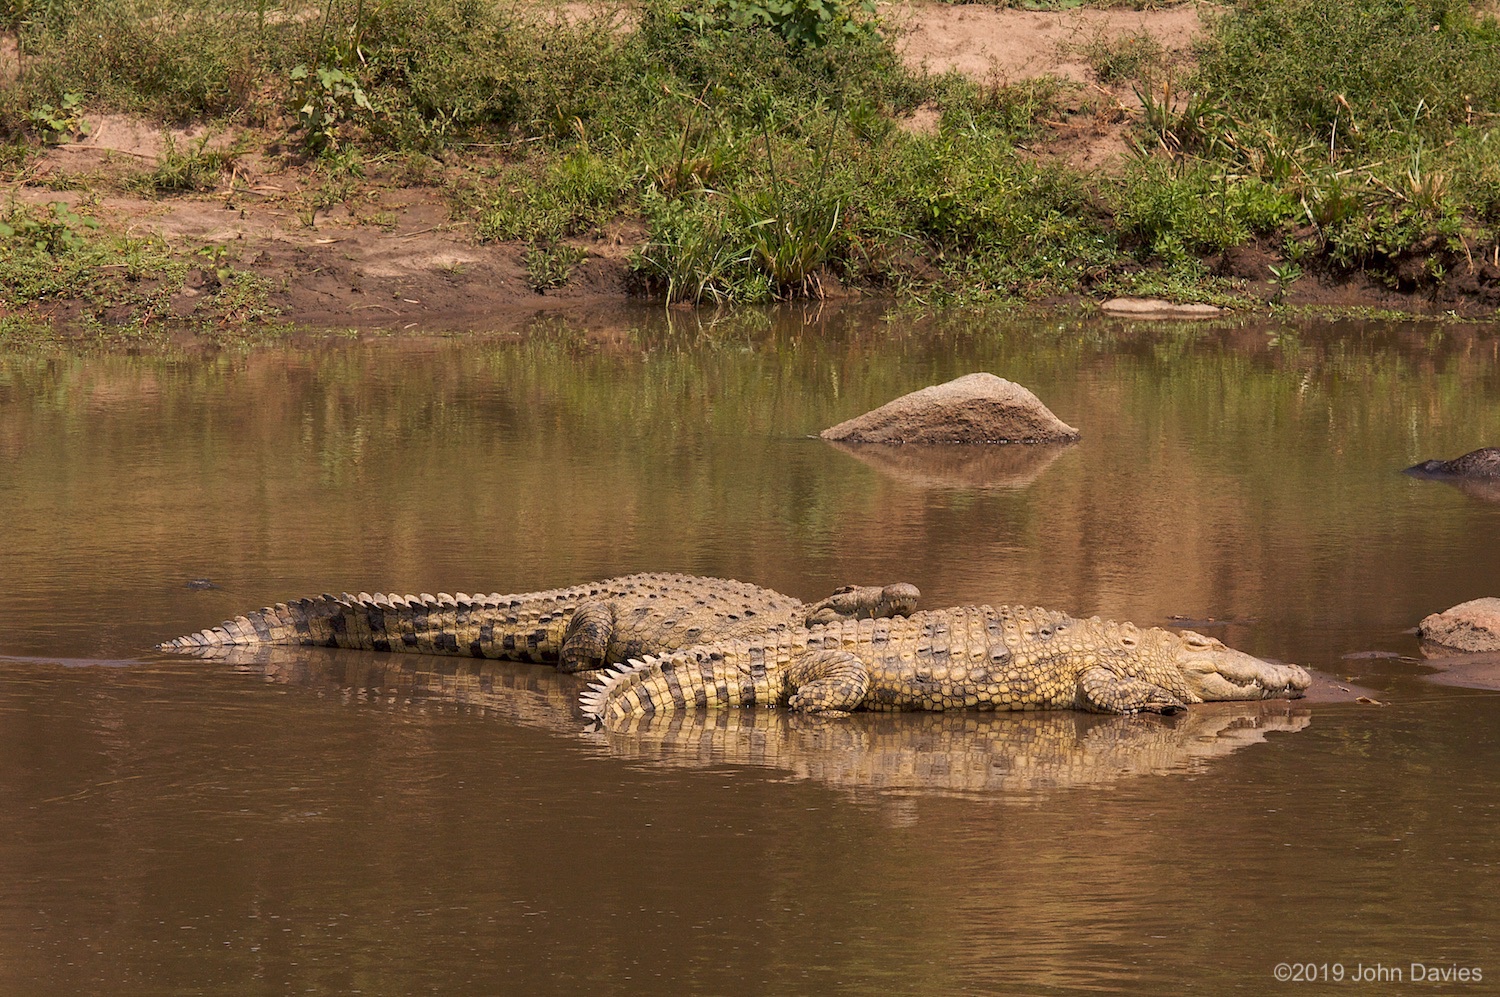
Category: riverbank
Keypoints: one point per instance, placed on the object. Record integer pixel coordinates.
(958, 154)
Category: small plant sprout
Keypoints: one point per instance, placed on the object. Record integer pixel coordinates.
(1283, 276)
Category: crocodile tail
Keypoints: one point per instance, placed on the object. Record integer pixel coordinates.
(683, 680)
(377, 622)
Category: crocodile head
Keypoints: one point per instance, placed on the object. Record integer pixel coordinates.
(1213, 672)
(865, 602)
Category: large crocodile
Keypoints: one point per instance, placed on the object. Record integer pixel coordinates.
(577, 628)
(977, 657)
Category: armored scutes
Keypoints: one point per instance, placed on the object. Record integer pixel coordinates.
(974, 657)
(575, 628)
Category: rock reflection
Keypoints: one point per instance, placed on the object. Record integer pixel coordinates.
(1475, 670)
(958, 465)
(957, 752)
(961, 752)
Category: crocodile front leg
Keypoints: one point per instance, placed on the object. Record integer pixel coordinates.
(1102, 691)
(863, 602)
(585, 643)
(827, 682)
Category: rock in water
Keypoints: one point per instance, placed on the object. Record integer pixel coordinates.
(1469, 626)
(1156, 308)
(975, 408)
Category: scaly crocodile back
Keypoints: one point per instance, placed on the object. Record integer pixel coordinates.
(650, 612)
(484, 626)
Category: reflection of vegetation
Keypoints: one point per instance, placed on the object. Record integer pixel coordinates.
(518, 463)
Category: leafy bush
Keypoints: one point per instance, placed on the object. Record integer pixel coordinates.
(1350, 72)
(57, 124)
(801, 23)
(549, 266)
(175, 60)
(56, 233)
(1171, 210)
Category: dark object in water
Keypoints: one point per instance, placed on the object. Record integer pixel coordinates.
(201, 584)
(1481, 463)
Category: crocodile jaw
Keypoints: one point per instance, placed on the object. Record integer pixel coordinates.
(1214, 672)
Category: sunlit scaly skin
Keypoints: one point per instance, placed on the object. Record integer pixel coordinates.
(971, 657)
(576, 628)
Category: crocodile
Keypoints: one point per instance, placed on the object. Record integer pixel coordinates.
(1483, 463)
(976, 657)
(579, 628)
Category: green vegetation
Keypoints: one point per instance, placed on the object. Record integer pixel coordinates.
(762, 146)
(196, 169)
(1374, 120)
(57, 256)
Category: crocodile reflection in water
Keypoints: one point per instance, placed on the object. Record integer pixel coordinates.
(937, 752)
(956, 752)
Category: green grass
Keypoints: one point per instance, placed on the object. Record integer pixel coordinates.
(760, 145)
(1374, 119)
(61, 256)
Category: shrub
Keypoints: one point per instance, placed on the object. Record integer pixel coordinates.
(1349, 72)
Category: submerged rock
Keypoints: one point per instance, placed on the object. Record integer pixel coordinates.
(1470, 626)
(975, 408)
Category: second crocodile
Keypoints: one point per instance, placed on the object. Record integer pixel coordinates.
(975, 657)
(576, 628)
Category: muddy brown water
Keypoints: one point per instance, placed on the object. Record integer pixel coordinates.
(330, 822)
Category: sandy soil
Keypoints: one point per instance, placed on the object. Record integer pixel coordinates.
(1017, 44)
(390, 254)
(1008, 45)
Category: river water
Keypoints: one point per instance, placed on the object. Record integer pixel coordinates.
(309, 821)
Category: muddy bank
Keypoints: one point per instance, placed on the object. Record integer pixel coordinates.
(393, 256)
(392, 246)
